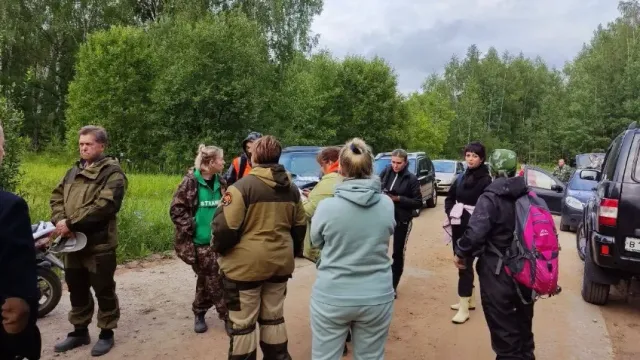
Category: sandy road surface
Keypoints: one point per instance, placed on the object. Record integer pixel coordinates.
(157, 322)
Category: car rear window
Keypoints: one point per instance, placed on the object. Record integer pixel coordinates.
(582, 184)
(445, 166)
(611, 159)
(300, 163)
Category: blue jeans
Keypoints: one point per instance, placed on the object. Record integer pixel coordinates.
(369, 330)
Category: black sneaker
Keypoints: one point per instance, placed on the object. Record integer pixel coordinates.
(104, 344)
(76, 338)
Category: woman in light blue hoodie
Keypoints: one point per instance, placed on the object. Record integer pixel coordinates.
(353, 288)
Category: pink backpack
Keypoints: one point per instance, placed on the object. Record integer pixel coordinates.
(532, 258)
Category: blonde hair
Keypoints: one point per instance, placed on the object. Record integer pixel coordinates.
(207, 154)
(356, 159)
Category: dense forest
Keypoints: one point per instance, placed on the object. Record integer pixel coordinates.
(164, 75)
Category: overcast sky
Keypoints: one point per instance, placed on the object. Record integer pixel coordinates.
(418, 37)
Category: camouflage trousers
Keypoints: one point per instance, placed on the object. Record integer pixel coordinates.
(209, 289)
(84, 271)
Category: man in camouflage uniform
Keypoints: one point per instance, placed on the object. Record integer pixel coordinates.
(203, 260)
(562, 171)
(87, 200)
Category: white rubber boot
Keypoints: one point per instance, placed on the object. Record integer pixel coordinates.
(472, 303)
(463, 312)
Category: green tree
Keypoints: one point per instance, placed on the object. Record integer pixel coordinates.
(11, 120)
(368, 105)
(429, 118)
(302, 109)
(38, 43)
(213, 84)
(603, 91)
(112, 87)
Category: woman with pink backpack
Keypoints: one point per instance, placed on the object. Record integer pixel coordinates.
(509, 229)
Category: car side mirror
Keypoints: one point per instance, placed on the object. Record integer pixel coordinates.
(557, 188)
(590, 174)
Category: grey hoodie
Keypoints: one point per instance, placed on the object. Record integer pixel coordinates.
(352, 229)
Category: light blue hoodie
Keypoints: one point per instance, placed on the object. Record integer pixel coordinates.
(353, 230)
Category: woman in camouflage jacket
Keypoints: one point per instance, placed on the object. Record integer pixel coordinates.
(192, 210)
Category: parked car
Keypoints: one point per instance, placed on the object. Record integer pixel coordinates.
(447, 171)
(422, 167)
(567, 200)
(589, 161)
(300, 162)
(579, 190)
(611, 221)
(546, 186)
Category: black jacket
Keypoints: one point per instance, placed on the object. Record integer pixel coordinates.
(474, 182)
(494, 218)
(466, 189)
(407, 187)
(18, 276)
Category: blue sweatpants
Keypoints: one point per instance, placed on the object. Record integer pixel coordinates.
(369, 330)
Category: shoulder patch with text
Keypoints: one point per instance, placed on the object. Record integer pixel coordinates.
(226, 199)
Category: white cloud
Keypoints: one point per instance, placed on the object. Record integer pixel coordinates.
(418, 37)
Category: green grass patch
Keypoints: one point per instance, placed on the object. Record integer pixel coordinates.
(144, 226)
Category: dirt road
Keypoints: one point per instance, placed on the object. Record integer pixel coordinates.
(157, 322)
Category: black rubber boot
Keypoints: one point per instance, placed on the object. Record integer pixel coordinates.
(104, 344)
(76, 338)
(199, 325)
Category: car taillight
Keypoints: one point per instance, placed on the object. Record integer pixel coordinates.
(608, 212)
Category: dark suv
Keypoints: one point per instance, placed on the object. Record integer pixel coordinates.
(301, 163)
(611, 221)
(422, 167)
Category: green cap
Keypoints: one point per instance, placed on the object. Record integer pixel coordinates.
(503, 162)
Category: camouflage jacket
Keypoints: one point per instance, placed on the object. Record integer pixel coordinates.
(563, 173)
(182, 211)
(89, 198)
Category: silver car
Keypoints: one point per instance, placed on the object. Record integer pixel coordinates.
(447, 171)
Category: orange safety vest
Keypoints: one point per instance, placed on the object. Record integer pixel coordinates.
(236, 166)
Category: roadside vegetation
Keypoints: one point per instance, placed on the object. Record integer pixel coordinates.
(164, 76)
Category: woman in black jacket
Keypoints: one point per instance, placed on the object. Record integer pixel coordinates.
(403, 187)
(458, 206)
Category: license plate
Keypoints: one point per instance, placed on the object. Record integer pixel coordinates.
(632, 244)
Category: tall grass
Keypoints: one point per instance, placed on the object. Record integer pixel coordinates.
(144, 226)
